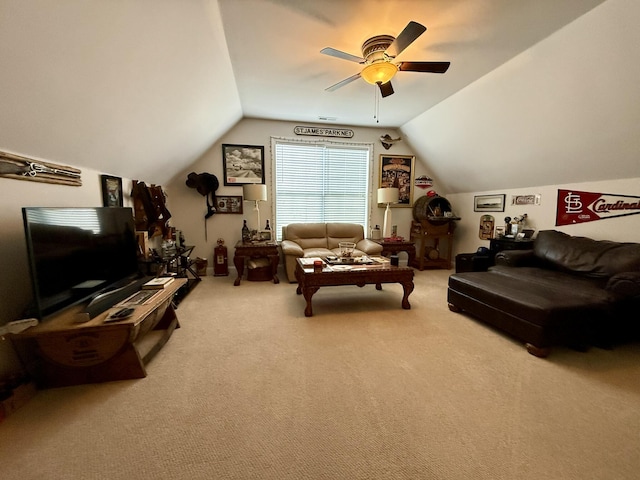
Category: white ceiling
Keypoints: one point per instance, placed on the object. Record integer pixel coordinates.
(143, 88)
(280, 73)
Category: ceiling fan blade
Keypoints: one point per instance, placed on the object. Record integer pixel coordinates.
(429, 67)
(343, 82)
(410, 33)
(386, 89)
(332, 52)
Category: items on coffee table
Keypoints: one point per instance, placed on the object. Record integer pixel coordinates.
(346, 249)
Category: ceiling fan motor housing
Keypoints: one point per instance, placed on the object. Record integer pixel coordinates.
(373, 49)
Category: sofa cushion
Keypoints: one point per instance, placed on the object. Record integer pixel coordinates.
(307, 235)
(535, 303)
(591, 289)
(343, 232)
(581, 255)
(317, 252)
(626, 284)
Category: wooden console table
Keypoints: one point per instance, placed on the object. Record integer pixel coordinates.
(71, 353)
(245, 251)
(428, 235)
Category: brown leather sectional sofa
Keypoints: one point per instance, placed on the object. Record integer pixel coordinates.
(567, 290)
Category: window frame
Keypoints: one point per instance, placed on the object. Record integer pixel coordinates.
(368, 146)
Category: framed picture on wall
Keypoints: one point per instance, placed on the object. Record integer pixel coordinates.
(229, 203)
(243, 164)
(111, 191)
(398, 171)
(489, 203)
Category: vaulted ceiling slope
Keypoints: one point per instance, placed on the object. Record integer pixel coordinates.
(136, 88)
(142, 88)
(275, 46)
(564, 111)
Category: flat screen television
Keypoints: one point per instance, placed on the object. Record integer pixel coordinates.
(80, 255)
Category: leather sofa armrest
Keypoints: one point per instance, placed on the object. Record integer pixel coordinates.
(625, 284)
(515, 258)
(369, 246)
(291, 248)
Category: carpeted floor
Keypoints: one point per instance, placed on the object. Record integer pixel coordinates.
(249, 388)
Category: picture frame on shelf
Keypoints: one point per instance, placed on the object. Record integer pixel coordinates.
(265, 235)
(489, 203)
(229, 204)
(111, 191)
(398, 171)
(243, 164)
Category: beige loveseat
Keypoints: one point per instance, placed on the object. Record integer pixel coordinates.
(321, 239)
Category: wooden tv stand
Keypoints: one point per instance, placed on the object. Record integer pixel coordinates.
(71, 353)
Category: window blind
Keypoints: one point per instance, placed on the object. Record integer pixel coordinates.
(320, 183)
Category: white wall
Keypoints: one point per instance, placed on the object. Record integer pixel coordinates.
(543, 216)
(188, 207)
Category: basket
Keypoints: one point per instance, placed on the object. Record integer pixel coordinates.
(346, 248)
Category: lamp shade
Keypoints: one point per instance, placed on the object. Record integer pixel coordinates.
(388, 195)
(254, 192)
(379, 72)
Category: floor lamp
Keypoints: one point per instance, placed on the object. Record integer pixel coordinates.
(255, 193)
(388, 196)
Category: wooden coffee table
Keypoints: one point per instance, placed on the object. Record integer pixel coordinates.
(310, 281)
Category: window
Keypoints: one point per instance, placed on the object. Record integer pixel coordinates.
(321, 182)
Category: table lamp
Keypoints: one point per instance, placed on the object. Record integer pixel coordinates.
(388, 196)
(255, 193)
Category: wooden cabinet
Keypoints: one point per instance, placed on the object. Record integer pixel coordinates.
(70, 353)
(246, 251)
(498, 244)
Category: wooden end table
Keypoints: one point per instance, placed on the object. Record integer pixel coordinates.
(392, 246)
(309, 281)
(245, 251)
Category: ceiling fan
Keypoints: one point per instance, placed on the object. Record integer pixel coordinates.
(378, 54)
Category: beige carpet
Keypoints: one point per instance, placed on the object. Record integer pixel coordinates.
(249, 388)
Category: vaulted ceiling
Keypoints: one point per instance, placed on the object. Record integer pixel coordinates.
(142, 88)
(274, 46)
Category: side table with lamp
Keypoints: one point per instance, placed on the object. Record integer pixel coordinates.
(260, 256)
(254, 192)
(388, 196)
(392, 244)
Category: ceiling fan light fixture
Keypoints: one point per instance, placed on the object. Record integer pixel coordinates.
(379, 72)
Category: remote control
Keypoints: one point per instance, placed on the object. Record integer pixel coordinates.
(120, 314)
(18, 326)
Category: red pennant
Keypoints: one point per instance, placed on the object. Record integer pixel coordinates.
(579, 207)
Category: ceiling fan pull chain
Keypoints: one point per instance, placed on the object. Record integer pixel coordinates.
(376, 105)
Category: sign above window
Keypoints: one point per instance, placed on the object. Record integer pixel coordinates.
(324, 132)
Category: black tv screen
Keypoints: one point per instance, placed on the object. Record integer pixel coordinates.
(76, 254)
